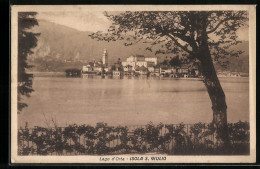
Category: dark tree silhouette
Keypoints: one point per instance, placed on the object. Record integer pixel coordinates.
(175, 61)
(201, 36)
(26, 41)
(165, 62)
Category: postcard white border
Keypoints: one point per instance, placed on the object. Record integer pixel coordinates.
(170, 159)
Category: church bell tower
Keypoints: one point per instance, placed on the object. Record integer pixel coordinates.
(105, 57)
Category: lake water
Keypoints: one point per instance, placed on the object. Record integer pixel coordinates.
(128, 101)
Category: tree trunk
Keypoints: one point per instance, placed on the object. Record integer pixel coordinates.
(217, 97)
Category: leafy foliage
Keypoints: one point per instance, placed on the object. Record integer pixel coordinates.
(102, 139)
(177, 32)
(26, 41)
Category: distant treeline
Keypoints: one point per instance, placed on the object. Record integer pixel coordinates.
(53, 65)
(176, 139)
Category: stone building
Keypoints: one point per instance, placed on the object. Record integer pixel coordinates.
(139, 60)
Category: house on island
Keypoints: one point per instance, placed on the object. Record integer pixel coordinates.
(244, 74)
(183, 71)
(128, 70)
(139, 60)
(150, 66)
(98, 67)
(157, 71)
(165, 70)
(117, 73)
(141, 70)
(150, 69)
(88, 69)
(117, 70)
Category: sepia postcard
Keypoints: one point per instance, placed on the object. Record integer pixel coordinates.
(133, 84)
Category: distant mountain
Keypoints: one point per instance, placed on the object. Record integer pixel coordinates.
(237, 64)
(66, 43)
(58, 43)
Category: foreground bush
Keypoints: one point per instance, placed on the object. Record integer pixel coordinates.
(102, 139)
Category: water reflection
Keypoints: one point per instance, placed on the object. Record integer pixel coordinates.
(129, 100)
(140, 77)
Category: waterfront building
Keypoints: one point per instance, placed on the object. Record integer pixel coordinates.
(235, 74)
(92, 67)
(84, 69)
(106, 69)
(164, 69)
(184, 71)
(150, 69)
(128, 68)
(116, 73)
(151, 59)
(88, 68)
(169, 70)
(141, 70)
(229, 74)
(141, 63)
(244, 74)
(157, 70)
(150, 66)
(97, 68)
(139, 60)
(130, 61)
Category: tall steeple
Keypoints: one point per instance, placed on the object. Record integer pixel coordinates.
(105, 57)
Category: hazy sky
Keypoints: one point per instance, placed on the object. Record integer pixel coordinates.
(95, 21)
(83, 20)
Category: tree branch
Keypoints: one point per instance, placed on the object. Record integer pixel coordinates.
(217, 26)
(178, 44)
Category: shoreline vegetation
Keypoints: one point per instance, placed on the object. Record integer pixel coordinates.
(102, 139)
